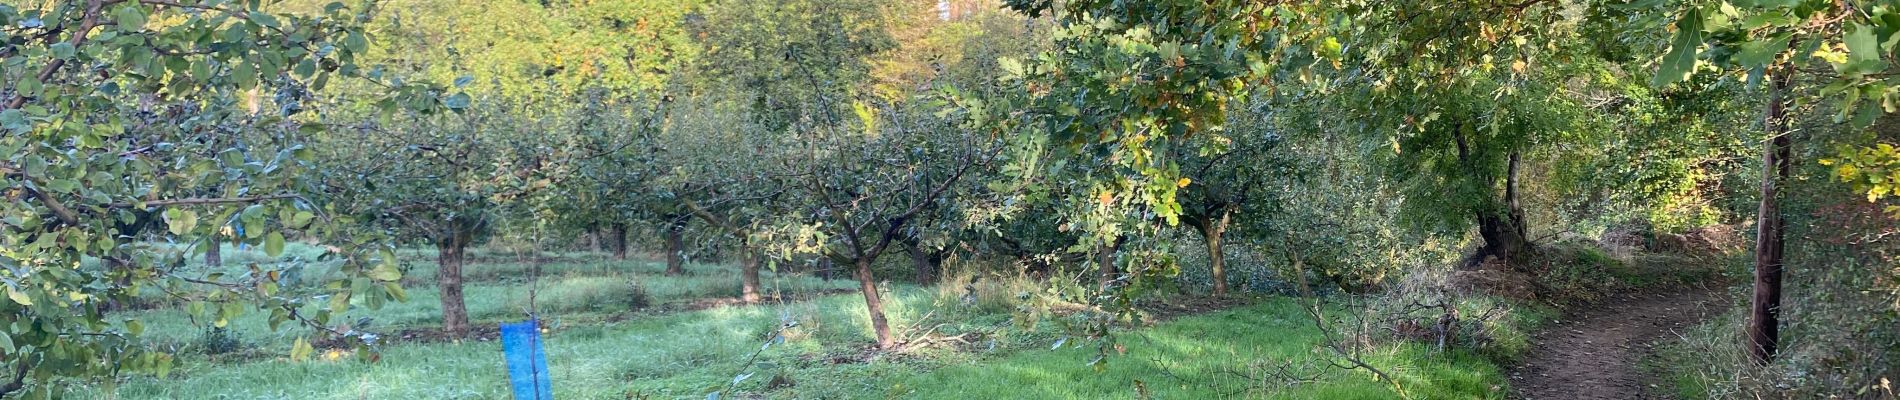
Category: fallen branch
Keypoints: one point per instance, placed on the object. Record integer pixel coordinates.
(1352, 360)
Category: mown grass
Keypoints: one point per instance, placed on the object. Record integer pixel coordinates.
(688, 355)
(565, 291)
(599, 347)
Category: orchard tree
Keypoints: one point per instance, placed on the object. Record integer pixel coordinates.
(619, 179)
(798, 66)
(108, 107)
(726, 162)
(1237, 188)
(1124, 94)
(445, 178)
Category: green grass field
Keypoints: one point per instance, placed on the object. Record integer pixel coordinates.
(600, 348)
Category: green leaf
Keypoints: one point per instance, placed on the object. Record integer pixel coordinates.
(14, 293)
(1680, 62)
(305, 68)
(301, 219)
(1758, 53)
(15, 121)
(180, 220)
(63, 50)
(457, 101)
(6, 344)
(274, 244)
(130, 18)
(356, 43)
(1861, 44)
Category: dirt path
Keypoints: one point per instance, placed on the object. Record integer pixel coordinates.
(1594, 354)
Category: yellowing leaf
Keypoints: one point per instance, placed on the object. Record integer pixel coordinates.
(17, 296)
(180, 221)
(385, 272)
(301, 350)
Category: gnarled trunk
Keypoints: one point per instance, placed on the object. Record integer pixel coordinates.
(1213, 232)
(1764, 322)
(873, 304)
(1503, 233)
(448, 279)
(749, 276)
(675, 232)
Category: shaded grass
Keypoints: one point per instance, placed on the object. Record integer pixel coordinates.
(564, 292)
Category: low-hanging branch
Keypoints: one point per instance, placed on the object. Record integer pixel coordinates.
(206, 201)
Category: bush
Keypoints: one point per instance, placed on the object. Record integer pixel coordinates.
(975, 293)
(637, 297)
(216, 340)
(1578, 272)
(1494, 327)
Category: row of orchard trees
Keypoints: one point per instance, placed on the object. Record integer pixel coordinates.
(774, 126)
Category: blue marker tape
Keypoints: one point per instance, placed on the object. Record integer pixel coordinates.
(527, 363)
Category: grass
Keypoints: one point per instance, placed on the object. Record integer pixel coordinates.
(1700, 363)
(600, 347)
(578, 291)
(1219, 355)
(690, 354)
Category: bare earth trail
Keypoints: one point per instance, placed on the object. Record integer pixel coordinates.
(1596, 353)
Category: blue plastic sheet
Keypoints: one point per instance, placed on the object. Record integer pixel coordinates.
(527, 364)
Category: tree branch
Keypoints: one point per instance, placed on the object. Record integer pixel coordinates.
(205, 201)
(86, 24)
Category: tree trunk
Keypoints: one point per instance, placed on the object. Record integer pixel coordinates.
(1765, 308)
(1299, 270)
(925, 263)
(749, 276)
(1503, 234)
(617, 239)
(873, 304)
(675, 233)
(214, 254)
(448, 278)
(593, 240)
(1212, 233)
(1105, 262)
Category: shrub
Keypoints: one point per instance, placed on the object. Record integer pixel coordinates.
(216, 340)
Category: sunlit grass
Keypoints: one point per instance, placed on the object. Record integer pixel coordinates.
(1226, 354)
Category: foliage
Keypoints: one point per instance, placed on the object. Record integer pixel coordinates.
(111, 114)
